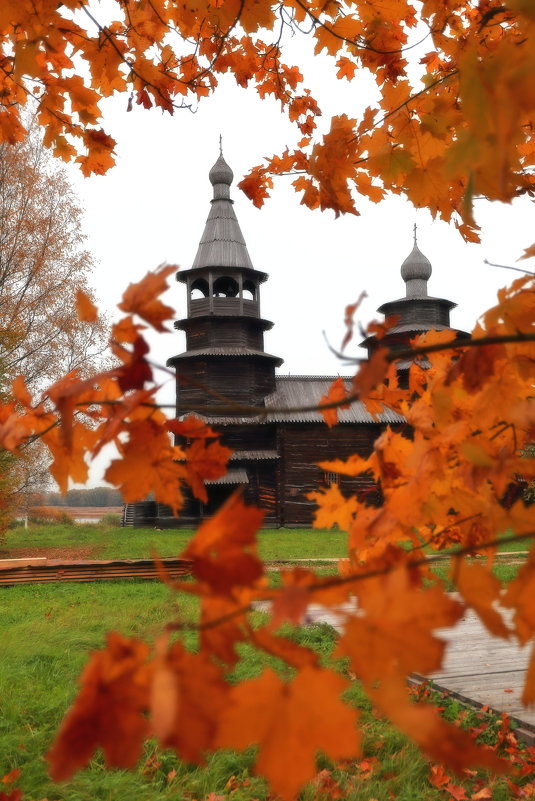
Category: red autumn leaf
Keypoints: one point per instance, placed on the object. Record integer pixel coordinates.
(191, 427)
(143, 298)
(109, 711)
(11, 777)
(456, 792)
(14, 795)
(205, 462)
(438, 776)
(188, 695)
(136, 371)
(485, 794)
(223, 549)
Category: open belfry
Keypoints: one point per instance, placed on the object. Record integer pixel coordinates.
(227, 378)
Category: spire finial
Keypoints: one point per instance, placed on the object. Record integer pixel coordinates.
(220, 145)
(415, 241)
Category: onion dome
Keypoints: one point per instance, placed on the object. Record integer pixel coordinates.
(416, 271)
(221, 177)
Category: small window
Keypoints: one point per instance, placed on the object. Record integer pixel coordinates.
(332, 478)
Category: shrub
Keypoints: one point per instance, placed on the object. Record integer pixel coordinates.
(49, 514)
(110, 520)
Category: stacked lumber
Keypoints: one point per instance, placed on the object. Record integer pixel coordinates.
(39, 569)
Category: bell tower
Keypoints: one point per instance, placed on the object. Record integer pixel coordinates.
(413, 314)
(224, 361)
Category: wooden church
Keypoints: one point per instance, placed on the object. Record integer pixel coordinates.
(226, 372)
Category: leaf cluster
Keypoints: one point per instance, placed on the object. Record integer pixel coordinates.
(451, 125)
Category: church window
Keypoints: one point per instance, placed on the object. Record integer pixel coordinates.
(225, 287)
(199, 289)
(332, 478)
(249, 290)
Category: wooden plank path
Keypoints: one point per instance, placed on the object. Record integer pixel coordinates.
(478, 669)
(486, 671)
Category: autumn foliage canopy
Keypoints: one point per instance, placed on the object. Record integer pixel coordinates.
(462, 127)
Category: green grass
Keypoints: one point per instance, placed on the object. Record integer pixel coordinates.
(123, 543)
(47, 632)
(109, 542)
(274, 545)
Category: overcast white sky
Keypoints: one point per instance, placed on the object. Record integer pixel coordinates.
(151, 208)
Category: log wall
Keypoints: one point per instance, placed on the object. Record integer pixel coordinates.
(301, 447)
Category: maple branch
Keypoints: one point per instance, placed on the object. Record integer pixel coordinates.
(223, 39)
(406, 102)
(110, 38)
(454, 344)
(229, 407)
(362, 44)
(438, 534)
(340, 581)
(508, 267)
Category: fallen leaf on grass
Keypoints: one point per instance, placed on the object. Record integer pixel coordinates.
(482, 795)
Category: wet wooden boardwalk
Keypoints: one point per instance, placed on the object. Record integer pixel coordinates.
(485, 670)
(478, 668)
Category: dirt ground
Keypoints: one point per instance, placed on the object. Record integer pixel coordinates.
(75, 553)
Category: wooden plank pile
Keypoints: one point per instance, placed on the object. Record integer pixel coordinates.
(39, 570)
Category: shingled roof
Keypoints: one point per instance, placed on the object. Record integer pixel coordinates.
(222, 243)
(296, 392)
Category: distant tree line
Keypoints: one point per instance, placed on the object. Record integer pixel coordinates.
(98, 496)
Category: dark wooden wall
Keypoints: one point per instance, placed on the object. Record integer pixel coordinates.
(242, 379)
(301, 447)
(234, 332)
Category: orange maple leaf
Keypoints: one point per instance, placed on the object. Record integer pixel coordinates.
(393, 633)
(148, 464)
(336, 394)
(85, 308)
(143, 298)
(333, 508)
(223, 549)
(290, 721)
(191, 427)
(480, 589)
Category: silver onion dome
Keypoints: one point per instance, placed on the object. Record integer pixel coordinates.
(416, 271)
(221, 173)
